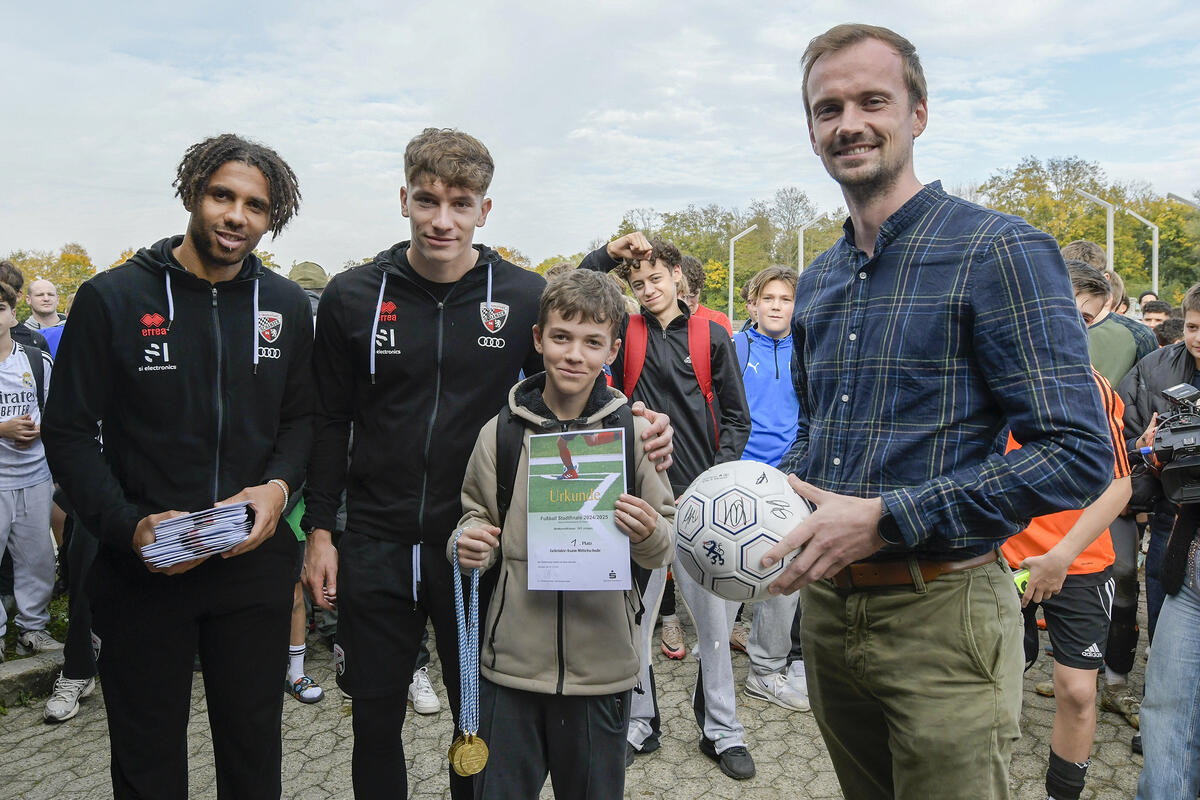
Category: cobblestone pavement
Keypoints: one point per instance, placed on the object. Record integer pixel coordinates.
(70, 761)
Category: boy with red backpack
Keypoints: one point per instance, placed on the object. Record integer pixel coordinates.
(684, 366)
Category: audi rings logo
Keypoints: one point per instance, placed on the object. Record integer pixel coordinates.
(490, 341)
(269, 352)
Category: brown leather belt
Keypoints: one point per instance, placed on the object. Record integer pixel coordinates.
(868, 574)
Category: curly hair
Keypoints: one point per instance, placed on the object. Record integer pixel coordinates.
(204, 158)
(693, 273)
(660, 250)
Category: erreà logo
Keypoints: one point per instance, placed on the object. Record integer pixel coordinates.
(493, 316)
(152, 325)
(387, 311)
(270, 326)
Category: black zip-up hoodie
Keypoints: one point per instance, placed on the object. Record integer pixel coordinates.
(418, 368)
(668, 384)
(200, 391)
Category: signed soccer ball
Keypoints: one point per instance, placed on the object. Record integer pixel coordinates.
(727, 520)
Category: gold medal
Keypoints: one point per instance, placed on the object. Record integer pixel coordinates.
(457, 743)
(470, 757)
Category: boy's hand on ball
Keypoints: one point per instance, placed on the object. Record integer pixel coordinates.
(842, 530)
(476, 544)
(635, 517)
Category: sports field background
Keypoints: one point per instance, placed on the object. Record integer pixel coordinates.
(596, 464)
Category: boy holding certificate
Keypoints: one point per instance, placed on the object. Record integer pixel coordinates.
(558, 667)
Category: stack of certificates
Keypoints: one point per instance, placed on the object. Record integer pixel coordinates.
(199, 534)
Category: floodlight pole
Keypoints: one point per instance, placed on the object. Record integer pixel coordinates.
(1184, 200)
(800, 237)
(751, 229)
(1109, 209)
(1153, 248)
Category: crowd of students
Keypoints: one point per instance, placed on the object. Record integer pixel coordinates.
(393, 441)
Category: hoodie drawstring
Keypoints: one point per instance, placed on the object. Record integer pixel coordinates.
(416, 559)
(375, 323)
(489, 289)
(253, 322)
(170, 300)
(254, 328)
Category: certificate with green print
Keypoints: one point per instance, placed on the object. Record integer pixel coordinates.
(575, 479)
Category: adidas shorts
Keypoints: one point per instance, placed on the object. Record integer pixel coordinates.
(1077, 620)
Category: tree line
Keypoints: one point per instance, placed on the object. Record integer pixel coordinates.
(1044, 192)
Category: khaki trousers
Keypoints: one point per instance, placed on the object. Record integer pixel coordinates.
(917, 689)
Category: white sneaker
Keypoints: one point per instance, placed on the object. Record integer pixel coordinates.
(36, 642)
(420, 692)
(64, 701)
(777, 689)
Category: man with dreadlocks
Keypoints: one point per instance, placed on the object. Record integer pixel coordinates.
(193, 360)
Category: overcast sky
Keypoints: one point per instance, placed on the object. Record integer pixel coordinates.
(588, 110)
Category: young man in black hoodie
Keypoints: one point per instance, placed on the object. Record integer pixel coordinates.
(417, 349)
(193, 361)
(711, 429)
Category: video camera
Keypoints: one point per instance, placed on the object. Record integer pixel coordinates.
(1177, 445)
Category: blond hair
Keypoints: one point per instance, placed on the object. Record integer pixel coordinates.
(755, 285)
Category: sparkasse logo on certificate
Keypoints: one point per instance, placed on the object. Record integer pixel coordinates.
(575, 479)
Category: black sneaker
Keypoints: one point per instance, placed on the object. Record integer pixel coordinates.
(734, 762)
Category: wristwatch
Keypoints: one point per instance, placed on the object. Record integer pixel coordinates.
(888, 529)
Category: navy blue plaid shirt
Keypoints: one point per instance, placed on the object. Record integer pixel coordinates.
(910, 365)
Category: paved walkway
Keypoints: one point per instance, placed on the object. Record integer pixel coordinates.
(70, 761)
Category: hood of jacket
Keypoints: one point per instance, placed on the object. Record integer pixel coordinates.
(395, 261)
(160, 257)
(526, 401)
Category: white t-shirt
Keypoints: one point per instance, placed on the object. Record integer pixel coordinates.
(20, 469)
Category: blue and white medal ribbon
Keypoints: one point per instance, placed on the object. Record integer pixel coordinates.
(468, 753)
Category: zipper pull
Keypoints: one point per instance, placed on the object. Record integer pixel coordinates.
(214, 292)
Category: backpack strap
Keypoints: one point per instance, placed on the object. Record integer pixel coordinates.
(636, 335)
(38, 368)
(623, 418)
(741, 343)
(699, 351)
(510, 435)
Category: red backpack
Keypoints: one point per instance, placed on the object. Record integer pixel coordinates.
(636, 336)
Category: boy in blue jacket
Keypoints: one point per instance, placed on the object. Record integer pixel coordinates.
(764, 354)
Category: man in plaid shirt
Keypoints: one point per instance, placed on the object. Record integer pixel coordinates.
(923, 334)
